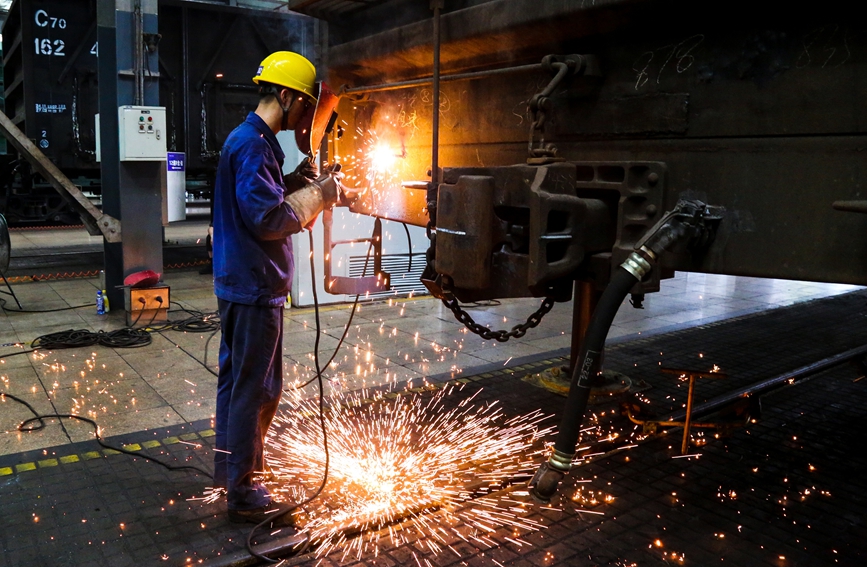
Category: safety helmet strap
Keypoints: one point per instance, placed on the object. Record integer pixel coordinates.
(276, 91)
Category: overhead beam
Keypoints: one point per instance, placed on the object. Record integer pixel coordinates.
(489, 34)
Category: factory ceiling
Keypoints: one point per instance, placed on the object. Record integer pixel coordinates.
(331, 6)
(334, 11)
(321, 8)
(325, 9)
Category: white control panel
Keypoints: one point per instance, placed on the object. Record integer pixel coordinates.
(142, 133)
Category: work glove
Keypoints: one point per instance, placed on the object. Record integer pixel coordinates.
(322, 193)
(304, 174)
(346, 196)
(331, 186)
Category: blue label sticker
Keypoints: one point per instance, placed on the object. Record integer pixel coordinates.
(175, 161)
(259, 72)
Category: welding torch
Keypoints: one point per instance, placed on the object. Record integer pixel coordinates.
(308, 197)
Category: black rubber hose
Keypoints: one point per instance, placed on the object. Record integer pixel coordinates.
(549, 475)
(589, 360)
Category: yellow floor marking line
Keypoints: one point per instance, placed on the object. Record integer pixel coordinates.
(153, 443)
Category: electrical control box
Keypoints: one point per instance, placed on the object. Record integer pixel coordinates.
(142, 133)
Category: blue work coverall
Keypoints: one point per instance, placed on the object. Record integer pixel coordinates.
(253, 267)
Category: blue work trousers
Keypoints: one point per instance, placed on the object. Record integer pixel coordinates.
(248, 392)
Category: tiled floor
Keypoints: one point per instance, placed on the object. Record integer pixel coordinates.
(779, 492)
(165, 383)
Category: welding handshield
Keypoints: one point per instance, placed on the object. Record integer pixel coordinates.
(317, 121)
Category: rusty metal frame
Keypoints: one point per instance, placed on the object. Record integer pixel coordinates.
(651, 425)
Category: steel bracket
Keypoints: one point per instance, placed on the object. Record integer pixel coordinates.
(523, 230)
(379, 281)
(642, 187)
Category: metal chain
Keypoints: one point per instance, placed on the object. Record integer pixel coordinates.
(76, 125)
(206, 152)
(540, 104)
(517, 331)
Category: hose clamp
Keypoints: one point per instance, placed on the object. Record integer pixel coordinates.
(647, 254)
(636, 265)
(560, 461)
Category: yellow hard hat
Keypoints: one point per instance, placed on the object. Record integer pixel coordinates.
(288, 69)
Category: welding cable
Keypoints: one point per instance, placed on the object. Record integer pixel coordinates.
(333, 354)
(71, 338)
(191, 355)
(126, 337)
(17, 353)
(38, 421)
(197, 322)
(345, 328)
(186, 310)
(10, 310)
(204, 323)
(77, 338)
(205, 363)
(409, 246)
(140, 311)
(318, 491)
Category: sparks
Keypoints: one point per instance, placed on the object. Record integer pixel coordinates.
(395, 459)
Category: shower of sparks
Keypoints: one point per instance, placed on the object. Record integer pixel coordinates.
(394, 460)
(591, 498)
(376, 167)
(211, 495)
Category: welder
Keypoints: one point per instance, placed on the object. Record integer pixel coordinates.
(256, 211)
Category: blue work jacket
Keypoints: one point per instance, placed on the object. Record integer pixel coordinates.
(253, 261)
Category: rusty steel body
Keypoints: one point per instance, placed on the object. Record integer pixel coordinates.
(507, 231)
(530, 230)
(765, 117)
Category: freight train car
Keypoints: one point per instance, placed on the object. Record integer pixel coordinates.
(762, 112)
(207, 56)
